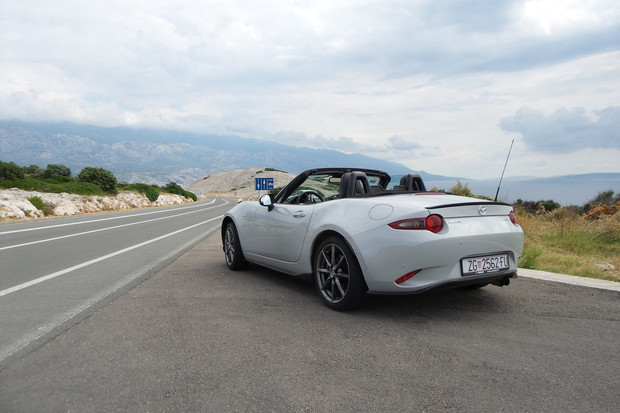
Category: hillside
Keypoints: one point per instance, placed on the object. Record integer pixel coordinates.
(238, 183)
(159, 157)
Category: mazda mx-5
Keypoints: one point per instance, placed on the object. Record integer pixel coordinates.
(358, 233)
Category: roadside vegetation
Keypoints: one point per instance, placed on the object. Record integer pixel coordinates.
(577, 240)
(573, 240)
(56, 178)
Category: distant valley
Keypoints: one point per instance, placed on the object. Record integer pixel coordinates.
(159, 157)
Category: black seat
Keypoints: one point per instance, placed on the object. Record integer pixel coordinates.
(412, 182)
(376, 189)
(353, 183)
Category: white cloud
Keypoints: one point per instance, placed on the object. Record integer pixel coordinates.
(420, 82)
(566, 130)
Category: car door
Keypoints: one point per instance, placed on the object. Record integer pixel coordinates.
(280, 233)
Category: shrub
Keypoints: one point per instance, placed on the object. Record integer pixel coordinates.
(537, 207)
(59, 179)
(33, 170)
(10, 171)
(100, 177)
(56, 169)
(148, 190)
(463, 190)
(603, 198)
(175, 188)
(36, 202)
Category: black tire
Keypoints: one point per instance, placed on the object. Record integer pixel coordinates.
(233, 254)
(337, 275)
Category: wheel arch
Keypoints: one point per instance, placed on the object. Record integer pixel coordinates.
(225, 222)
(326, 234)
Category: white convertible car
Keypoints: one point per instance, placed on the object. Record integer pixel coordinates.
(357, 233)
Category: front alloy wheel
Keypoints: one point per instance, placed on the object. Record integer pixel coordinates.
(232, 248)
(337, 276)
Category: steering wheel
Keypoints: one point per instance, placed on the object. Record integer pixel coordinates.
(306, 197)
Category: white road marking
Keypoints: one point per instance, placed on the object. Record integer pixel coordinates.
(100, 229)
(96, 260)
(40, 331)
(104, 219)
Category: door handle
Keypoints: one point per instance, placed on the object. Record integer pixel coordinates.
(299, 214)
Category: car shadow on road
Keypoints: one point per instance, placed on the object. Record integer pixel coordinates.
(437, 303)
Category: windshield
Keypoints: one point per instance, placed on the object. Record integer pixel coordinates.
(324, 185)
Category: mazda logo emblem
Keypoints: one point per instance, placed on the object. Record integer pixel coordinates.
(482, 210)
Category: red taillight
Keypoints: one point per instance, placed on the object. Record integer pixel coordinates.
(513, 217)
(414, 223)
(405, 277)
(433, 223)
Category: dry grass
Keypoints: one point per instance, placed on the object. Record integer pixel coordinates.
(563, 241)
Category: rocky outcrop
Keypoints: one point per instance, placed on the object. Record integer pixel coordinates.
(14, 203)
(237, 184)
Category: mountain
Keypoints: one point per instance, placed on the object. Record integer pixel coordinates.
(161, 156)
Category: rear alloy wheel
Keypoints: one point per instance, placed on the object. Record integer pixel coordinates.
(337, 275)
(232, 248)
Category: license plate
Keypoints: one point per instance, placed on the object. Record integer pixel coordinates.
(484, 265)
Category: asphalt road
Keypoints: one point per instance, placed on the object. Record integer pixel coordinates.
(197, 337)
(55, 272)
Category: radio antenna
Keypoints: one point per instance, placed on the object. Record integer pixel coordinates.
(500, 179)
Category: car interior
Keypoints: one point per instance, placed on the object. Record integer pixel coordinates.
(350, 185)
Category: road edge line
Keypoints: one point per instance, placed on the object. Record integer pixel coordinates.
(569, 279)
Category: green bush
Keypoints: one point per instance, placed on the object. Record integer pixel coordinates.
(533, 207)
(11, 171)
(175, 188)
(33, 170)
(43, 185)
(58, 179)
(100, 177)
(47, 209)
(148, 190)
(36, 202)
(79, 188)
(56, 169)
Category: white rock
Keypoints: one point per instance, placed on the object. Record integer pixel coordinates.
(606, 267)
(14, 203)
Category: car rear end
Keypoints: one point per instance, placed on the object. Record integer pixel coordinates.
(440, 241)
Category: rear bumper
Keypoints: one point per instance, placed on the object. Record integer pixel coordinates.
(385, 254)
(450, 284)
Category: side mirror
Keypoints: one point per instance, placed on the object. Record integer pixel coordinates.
(266, 201)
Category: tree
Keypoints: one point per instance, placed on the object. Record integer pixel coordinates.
(57, 169)
(100, 177)
(33, 170)
(10, 171)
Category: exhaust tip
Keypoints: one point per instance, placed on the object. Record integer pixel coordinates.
(502, 282)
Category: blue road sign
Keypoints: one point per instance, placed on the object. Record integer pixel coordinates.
(263, 184)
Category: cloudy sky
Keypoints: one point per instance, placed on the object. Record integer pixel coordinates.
(441, 86)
